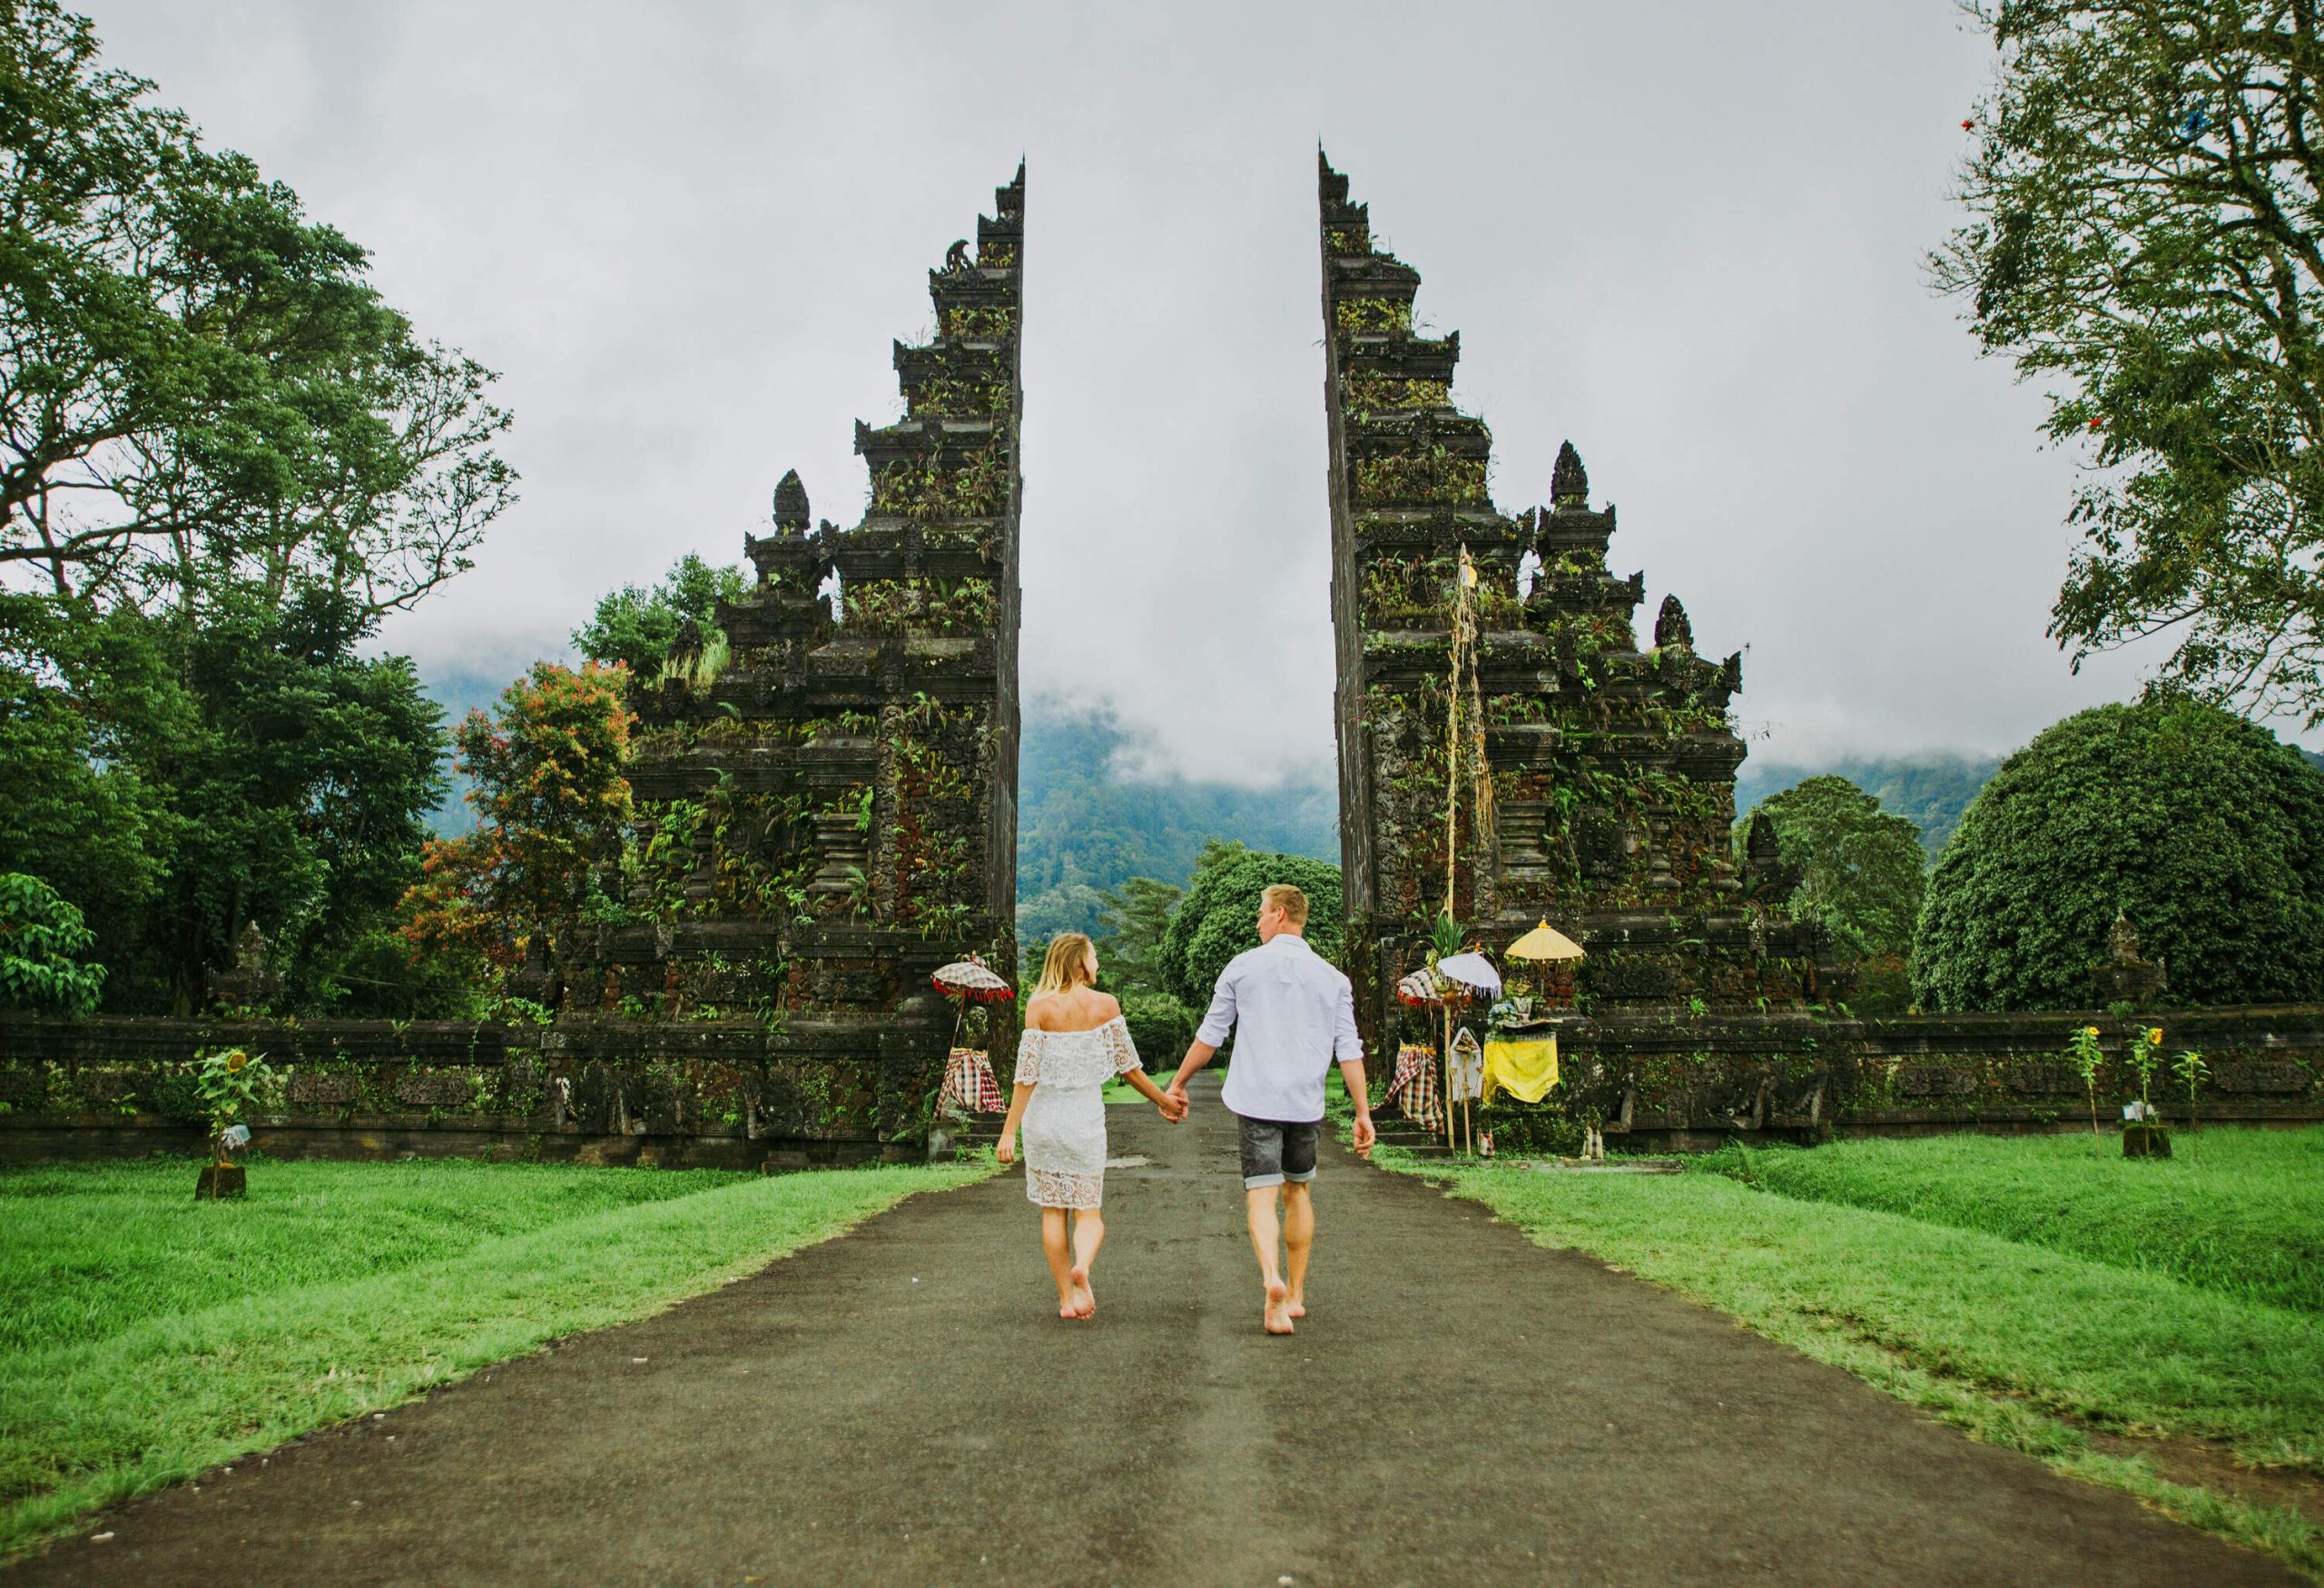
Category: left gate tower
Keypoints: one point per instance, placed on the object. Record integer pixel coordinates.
(827, 811)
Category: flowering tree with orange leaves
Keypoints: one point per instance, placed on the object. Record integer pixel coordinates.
(551, 798)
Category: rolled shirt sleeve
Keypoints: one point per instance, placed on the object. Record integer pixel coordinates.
(1347, 1046)
(1219, 1021)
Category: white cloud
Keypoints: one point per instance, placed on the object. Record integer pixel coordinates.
(1687, 237)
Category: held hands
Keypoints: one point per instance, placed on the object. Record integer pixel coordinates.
(1364, 1135)
(1172, 1106)
(1005, 1150)
(1176, 1093)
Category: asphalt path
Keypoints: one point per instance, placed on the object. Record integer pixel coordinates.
(904, 1406)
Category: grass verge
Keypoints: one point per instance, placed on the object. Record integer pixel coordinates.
(2019, 1345)
(86, 1421)
(2237, 1211)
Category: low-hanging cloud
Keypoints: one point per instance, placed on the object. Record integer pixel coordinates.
(1688, 237)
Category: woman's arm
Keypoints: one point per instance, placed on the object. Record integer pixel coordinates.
(1173, 1106)
(1005, 1152)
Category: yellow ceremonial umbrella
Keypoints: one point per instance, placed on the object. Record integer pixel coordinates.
(1544, 943)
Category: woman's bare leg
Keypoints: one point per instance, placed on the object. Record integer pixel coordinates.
(1054, 1247)
(1089, 1230)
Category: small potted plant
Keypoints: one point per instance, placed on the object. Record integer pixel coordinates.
(232, 1084)
(2142, 1134)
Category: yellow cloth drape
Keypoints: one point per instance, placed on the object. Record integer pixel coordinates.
(1524, 1066)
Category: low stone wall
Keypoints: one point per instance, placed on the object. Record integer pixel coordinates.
(1693, 1084)
(731, 1094)
(740, 1095)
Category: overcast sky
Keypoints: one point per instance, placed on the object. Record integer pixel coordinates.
(1688, 236)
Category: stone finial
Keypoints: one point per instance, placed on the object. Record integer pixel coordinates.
(253, 979)
(2127, 976)
(791, 505)
(1568, 482)
(1671, 628)
(956, 258)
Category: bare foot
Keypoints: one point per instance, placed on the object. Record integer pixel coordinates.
(1066, 1310)
(1084, 1300)
(1297, 1308)
(1277, 1318)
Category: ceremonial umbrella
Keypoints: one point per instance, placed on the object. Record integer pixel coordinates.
(965, 979)
(970, 978)
(1471, 971)
(1544, 943)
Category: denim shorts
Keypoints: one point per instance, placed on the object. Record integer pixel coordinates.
(1276, 1151)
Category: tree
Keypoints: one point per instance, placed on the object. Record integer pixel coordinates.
(2147, 198)
(196, 382)
(1219, 917)
(636, 628)
(42, 945)
(2200, 826)
(1136, 918)
(1862, 870)
(552, 799)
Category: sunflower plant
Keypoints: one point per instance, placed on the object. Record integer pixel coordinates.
(234, 1085)
(2086, 1056)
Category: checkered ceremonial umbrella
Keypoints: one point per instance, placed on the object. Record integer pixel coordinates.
(972, 978)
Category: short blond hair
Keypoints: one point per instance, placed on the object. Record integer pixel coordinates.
(1286, 898)
(1067, 966)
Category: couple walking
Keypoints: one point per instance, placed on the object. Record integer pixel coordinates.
(1292, 1012)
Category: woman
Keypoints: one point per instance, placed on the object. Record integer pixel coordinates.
(1075, 1041)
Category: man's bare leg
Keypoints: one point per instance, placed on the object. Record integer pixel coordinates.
(1258, 1202)
(1055, 1248)
(1088, 1229)
(1298, 1239)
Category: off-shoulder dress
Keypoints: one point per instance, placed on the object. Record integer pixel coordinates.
(1065, 1119)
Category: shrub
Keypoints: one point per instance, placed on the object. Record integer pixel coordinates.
(1161, 1026)
(2200, 826)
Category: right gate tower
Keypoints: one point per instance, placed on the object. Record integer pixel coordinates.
(1607, 792)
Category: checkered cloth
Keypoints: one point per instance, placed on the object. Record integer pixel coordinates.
(968, 1085)
(1415, 1087)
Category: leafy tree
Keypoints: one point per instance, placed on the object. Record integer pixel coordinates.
(1219, 917)
(636, 628)
(2147, 238)
(303, 790)
(42, 945)
(1136, 918)
(1863, 870)
(196, 382)
(2196, 823)
(552, 799)
(1160, 1027)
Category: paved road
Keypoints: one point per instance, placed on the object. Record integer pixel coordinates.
(904, 1406)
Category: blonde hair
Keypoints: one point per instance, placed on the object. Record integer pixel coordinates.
(1288, 899)
(1067, 966)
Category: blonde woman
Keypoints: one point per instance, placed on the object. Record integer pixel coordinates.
(1075, 1041)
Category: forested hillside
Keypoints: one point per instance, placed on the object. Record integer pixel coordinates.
(1082, 830)
(1929, 791)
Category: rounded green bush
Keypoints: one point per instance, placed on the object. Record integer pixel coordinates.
(1219, 918)
(1161, 1028)
(2198, 824)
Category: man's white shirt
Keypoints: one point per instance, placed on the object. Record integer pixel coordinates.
(1293, 1014)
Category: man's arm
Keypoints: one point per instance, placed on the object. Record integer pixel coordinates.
(1360, 1093)
(1217, 1022)
(1199, 1055)
(1348, 1046)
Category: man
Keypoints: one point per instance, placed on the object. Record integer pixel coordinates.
(1292, 1013)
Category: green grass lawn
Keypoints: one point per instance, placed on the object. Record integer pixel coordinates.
(2011, 1287)
(144, 1337)
(2239, 1212)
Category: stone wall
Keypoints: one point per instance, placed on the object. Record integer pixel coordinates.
(735, 1094)
(835, 1089)
(1691, 1084)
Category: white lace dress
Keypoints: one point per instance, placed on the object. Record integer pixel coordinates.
(1065, 1119)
